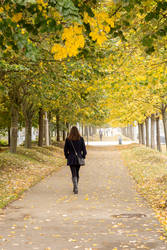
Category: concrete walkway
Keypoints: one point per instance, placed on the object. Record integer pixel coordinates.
(106, 214)
(108, 143)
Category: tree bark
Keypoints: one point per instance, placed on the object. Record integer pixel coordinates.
(64, 135)
(50, 136)
(126, 131)
(58, 126)
(50, 128)
(28, 133)
(82, 130)
(123, 131)
(139, 133)
(94, 130)
(28, 111)
(55, 130)
(153, 131)
(147, 132)
(132, 132)
(87, 133)
(41, 128)
(90, 130)
(14, 128)
(68, 128)
(158, 135)
(9, 136)
(142, 133)
(46, 129)
(164, 119)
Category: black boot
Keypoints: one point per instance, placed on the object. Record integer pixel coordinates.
(75, 189)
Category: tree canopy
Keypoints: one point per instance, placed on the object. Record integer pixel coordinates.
(87, 61)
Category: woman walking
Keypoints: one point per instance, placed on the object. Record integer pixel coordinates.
(74, 148)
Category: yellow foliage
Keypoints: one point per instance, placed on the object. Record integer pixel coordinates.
(73, 40)
(7, 7)
(23, 31)
(1, 10)
(17, 17)
(100, 25)
(56, 15)
(42, 3)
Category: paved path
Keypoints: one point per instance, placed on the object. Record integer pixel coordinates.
(108, 143)
(106, 214)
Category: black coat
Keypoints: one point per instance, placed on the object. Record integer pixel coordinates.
(69, 152)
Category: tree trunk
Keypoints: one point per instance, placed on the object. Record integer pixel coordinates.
(158, 135)
(147, 131)
(55, 130)
(139, 133)
(142, 134)
(14, 128)
(94, 130)
(132, 132)
(164, 119)
(82, 130)
(50, 128)
(9, 136)
(28, 111)
(129, 128)
(153, 131)
(68, 128)
(90, 130)
(46, 126)
(28, 133)
(126, 131)
(58, 126)
(64, 135)
(87, 133)
(123, 131)
(41, 128)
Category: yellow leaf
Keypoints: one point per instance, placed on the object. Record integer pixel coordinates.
(17, 17)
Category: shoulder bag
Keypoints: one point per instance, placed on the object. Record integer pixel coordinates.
(81, 160)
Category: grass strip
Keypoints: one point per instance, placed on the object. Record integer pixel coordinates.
(18, 172)
(149, 169)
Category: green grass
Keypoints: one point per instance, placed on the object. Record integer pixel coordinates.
(20, 171)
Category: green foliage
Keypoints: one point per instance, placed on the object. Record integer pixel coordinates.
(150, 27)
(6, 67)
(3, 142)
(68, 10)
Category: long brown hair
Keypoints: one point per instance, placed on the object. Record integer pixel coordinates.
(74, 134)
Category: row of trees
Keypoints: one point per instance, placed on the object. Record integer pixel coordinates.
(139, 91)
(69, 96)
(148, 132)
(81, 61)
(36, 75)
(139, 72)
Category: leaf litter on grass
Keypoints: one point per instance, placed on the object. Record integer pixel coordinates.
(20, 171)
(149, 169)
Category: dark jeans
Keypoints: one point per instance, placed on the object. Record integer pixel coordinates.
(75, 170)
